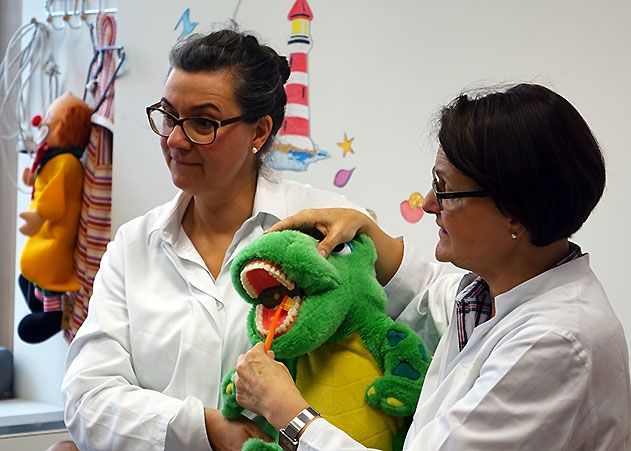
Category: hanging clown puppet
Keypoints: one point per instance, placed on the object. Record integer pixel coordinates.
(51, 222)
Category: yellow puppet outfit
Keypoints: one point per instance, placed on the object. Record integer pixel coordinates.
(47, 257)
(52, 221)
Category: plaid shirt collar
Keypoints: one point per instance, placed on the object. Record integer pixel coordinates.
(474, 304)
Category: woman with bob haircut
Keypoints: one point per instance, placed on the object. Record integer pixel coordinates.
(534, 356)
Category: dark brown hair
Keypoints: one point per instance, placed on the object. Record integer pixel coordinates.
(259, 72)
(534, 153)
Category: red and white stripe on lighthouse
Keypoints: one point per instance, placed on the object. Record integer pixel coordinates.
(294, 134)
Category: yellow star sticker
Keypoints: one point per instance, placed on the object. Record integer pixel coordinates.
(346, 145)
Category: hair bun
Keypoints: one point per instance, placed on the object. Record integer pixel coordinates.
(283, 67)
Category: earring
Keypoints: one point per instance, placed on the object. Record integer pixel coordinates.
(254, 150)
(513, 236)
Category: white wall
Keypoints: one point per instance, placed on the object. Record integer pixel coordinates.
(10, 18)
(380, 70)
(39, 368)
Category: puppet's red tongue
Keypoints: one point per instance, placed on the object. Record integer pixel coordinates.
(268, 315)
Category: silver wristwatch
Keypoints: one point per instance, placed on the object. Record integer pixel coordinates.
(288, 437)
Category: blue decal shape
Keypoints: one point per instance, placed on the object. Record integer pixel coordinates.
(294, 160)
(187, 25)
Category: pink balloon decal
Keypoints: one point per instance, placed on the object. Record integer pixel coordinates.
(342, 177)
(411, 208)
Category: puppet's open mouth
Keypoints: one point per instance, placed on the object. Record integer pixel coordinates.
(269, 285)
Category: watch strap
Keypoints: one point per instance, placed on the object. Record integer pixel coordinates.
(295, 428)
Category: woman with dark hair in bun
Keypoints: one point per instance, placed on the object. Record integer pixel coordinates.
(164, 322)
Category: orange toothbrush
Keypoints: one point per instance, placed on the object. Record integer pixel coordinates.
(272, 329)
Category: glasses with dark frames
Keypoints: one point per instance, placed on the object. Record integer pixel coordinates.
(441, 195)
(198, 130)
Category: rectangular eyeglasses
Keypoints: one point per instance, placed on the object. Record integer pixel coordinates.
(441, 195)
(199, 130)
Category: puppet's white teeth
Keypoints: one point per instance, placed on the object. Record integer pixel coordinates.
(259, 321)
(281, 277)
(248, 288)
(287, 322)
(271, 269)
(291, 316)
(245, 283)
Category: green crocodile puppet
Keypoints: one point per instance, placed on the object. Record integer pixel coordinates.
(350, 361)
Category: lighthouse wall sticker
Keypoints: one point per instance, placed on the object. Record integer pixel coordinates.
(294, 149)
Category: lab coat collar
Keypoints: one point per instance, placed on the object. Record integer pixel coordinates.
(506, 303)
(167, 225)
(270, 204)
(558, 276)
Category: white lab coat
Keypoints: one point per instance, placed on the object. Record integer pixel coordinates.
(549, 371)
(160, 332)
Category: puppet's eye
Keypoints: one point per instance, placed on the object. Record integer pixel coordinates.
(342, 249)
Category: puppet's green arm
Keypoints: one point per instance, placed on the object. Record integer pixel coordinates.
(405, 363)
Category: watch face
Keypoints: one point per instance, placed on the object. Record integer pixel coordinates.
(287, 443)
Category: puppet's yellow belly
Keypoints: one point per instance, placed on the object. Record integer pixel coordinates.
(334, 378)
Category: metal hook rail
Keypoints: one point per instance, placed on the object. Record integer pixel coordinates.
(78, 9)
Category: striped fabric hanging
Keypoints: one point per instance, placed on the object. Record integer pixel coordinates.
(95, 221)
